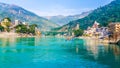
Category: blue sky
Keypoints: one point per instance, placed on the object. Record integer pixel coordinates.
(58, 7)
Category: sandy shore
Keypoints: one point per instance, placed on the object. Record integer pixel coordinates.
(7, 35)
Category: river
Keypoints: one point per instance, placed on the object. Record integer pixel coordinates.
(52, 52)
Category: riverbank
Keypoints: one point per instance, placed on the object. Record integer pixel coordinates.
(8, 34)
(104, 41)
(12, 34)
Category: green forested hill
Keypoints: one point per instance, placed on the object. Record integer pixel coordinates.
(104, 15)
(15, 12)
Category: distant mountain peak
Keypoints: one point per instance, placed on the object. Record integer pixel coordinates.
(16, 12)
(62, 20)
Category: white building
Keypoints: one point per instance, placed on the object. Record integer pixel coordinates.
(17, 22)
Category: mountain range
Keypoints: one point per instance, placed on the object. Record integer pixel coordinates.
(104, 15)
(62, 20)
(18, 13)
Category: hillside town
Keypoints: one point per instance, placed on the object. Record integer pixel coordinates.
(18, 28)
(111, 32)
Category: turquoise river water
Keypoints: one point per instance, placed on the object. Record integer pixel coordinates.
(54, 52)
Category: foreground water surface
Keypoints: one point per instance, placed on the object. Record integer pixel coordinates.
(57, 53)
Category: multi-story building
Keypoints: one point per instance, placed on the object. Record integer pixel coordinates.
(102, 32)
(114, 27)
(17, 22)
(114, 30)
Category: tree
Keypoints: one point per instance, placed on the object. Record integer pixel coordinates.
(6, 23)
(26, 29)
(1, 28)
(32, 28)
(78, 32)
(21, 28)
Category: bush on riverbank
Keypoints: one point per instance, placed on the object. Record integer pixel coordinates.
(78, 32)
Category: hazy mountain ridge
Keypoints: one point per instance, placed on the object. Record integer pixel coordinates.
(62, 20)
(15, 12)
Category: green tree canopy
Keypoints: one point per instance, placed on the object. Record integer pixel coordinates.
(26, 29)
(32, 28)
(6, 23)
(1, 28)
(78, 32)
(21, 28)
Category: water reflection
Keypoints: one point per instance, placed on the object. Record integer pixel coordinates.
(103, 53)
(6, 42)
(116, 52)
(17, 44)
